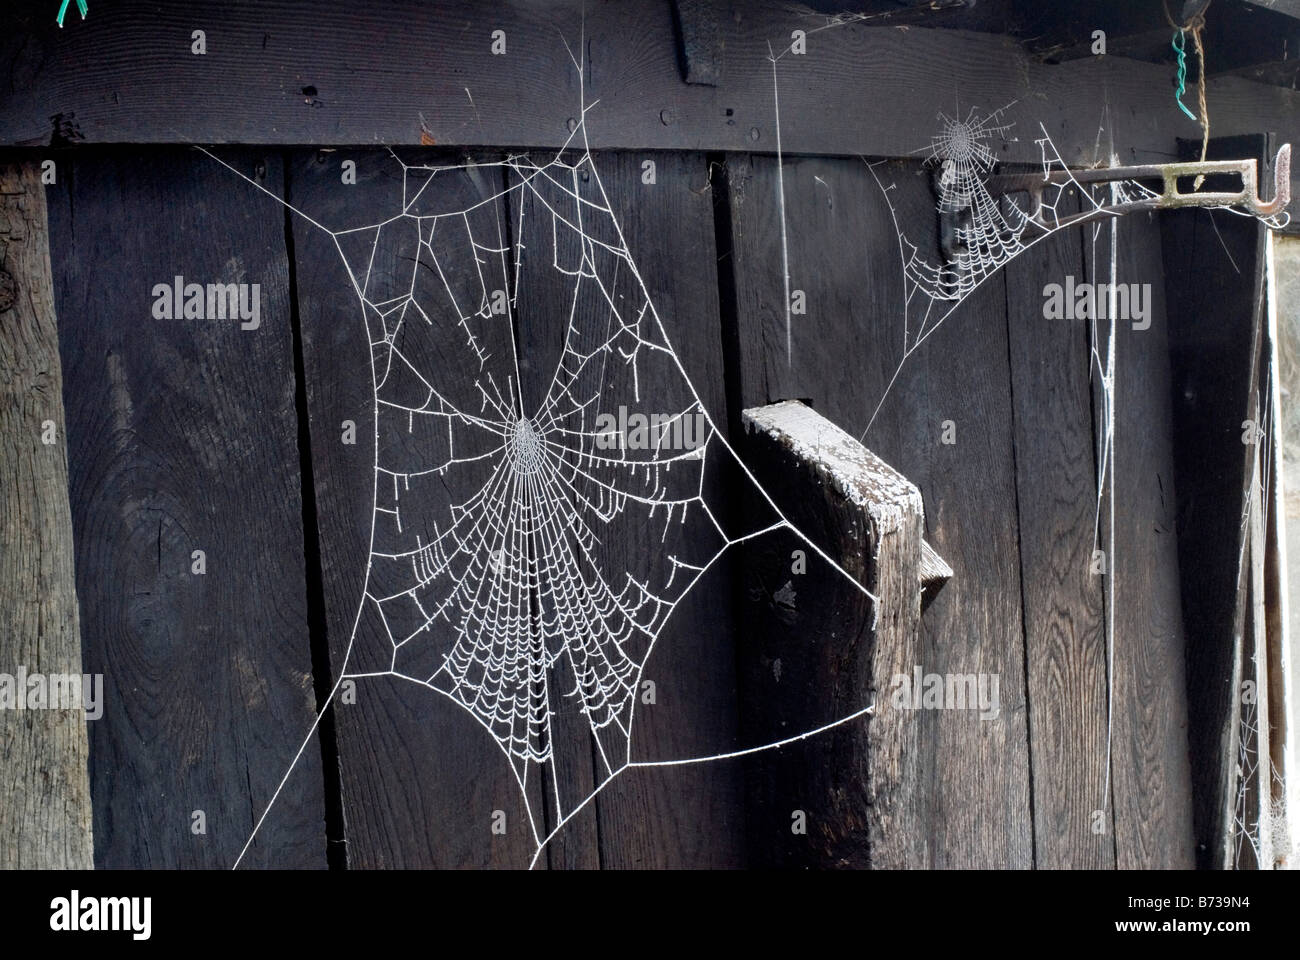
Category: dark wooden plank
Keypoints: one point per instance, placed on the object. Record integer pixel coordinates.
(1241, 36)
(421, 777)
(1213, 280)
(645, 817)
(1150, 776)
(842, 252)
(1251, 40)
(1056, 490)
(182, 437)
(556, 310)
(1061, 32)
(819, 650)
(337, 72)
(45, 810)
(1290, 8)
(680, 816)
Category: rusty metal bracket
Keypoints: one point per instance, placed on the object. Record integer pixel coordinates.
(1170, 197)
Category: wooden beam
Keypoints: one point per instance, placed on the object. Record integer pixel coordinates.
(337, 72)
(1059, 32)
(1249, 40)
(1290, 8)
(45, 809)
(698, 51)
(820, 650)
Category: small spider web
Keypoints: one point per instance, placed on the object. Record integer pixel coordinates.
(510, 501)
(990, 231)
(993, 235)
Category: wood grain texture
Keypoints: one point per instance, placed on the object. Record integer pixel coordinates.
(182, 437)
(1150, 776)
(421, 779)
(340, 73)
(45, 804)
(1056, 492)
(819, 650)
(689, 815)
(845, 350)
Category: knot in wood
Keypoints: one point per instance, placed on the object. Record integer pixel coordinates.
(8, 290)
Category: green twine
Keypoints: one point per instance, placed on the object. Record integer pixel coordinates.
(81, 5)
(1178, 45)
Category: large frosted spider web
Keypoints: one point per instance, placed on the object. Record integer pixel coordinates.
(509, 562)
(514, 570)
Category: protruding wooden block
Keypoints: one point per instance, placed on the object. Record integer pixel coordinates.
(818, 648)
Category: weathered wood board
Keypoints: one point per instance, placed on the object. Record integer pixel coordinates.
(1150, 776)
(181, 438)
(1213, 266)
(687, 815)
(1056, 462)
(819, 650)
(45, 804)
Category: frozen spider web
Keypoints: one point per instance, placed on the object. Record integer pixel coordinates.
(989, 230)
(1260, 830)
(997, 218)
(526, 554)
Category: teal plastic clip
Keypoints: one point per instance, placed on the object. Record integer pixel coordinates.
(81, 5)
(1178, 46)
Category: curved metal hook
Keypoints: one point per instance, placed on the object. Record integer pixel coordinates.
(1281, 186)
